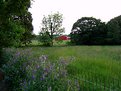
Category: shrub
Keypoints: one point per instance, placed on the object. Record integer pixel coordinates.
(15, 67)
(25, 72)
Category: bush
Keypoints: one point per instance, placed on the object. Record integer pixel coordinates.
(45, 39)
(25, 72)
(11, 34)
(15, 67)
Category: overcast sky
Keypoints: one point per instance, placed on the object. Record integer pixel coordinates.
(73, 10)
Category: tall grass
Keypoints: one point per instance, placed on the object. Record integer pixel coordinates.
(72, 68)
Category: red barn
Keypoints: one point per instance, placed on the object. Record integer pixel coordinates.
(63, 37)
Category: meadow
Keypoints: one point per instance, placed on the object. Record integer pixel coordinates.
(63, 68)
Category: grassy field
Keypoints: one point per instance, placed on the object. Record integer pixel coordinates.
(95, 68)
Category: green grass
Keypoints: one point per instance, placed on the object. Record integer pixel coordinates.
(55, 43)
(98, 64)
(94, 62)
(94, 58)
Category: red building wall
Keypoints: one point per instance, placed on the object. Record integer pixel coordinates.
(63, 37)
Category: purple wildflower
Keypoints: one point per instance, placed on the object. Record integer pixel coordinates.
(33, 76)
(18, 53)
(38, 66)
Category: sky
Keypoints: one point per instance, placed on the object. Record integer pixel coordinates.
(73, 10)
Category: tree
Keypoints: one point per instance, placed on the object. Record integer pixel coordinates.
(26, 22)
(114, 31)
(10, 30)
(88, 30)
(51, 25)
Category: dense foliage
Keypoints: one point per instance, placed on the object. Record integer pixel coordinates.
(11, 23)
(45, 39)
(91, 31)
(88, 30)
(51, 25)
(26, 22)
(114, 31)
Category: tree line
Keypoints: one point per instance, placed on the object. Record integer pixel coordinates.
(85, 31)
(92, 31)
(16, 27)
